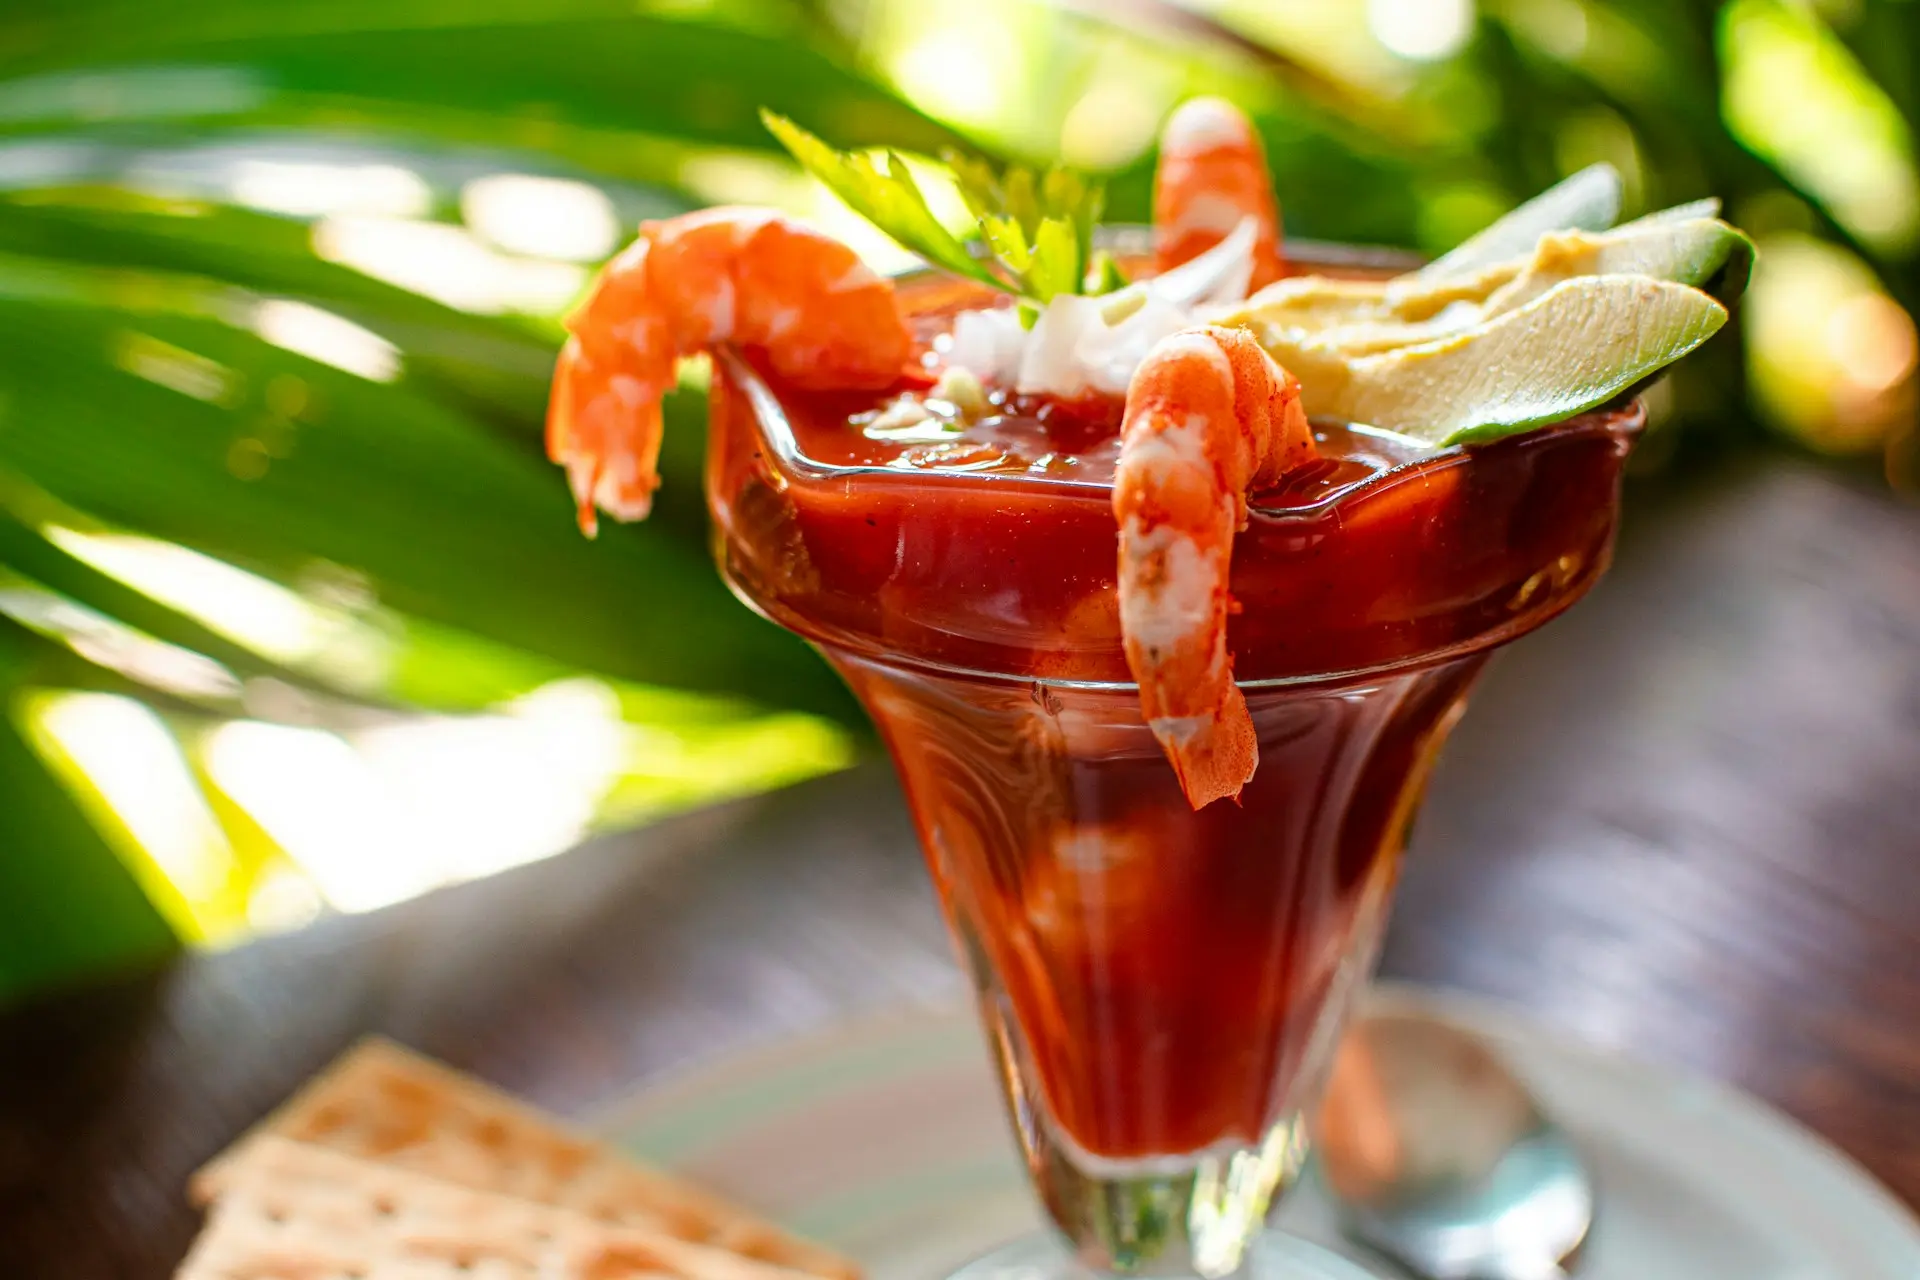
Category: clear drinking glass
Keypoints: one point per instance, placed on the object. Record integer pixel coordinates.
(1161, 988)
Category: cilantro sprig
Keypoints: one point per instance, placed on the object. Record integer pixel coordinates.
(1037, 228)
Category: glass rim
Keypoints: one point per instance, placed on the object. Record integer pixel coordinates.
(1423, 660)
(1492, 638)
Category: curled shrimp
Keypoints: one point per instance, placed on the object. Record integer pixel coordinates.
(1212, 174)
(821, 317)
(1210, 418)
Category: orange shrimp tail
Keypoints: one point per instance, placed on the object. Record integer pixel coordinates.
(1210, 417)
(1212, 174)
(1216, 764)
(605, 431)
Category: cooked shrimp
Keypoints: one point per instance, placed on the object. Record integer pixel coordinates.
(1210, 418)
(1212, 174)
(820, 316)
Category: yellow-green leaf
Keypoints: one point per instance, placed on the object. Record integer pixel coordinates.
(891, 200)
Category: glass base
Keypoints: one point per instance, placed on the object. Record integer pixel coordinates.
(1045, 1256)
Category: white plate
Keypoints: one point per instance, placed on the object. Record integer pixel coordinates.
(886, 1138)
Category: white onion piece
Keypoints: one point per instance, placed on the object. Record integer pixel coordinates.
(1109, 354)
(1085, 344)
(1221, 274)
(1072, 350)
(1051, 363)
(989, 343)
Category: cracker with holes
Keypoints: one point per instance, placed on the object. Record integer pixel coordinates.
(383, 1103)
(290, 1211)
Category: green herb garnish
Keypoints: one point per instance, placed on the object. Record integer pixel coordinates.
(1037, 229)
(1105, 276)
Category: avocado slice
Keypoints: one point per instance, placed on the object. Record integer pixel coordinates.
(1544, 315)
(1576, 345)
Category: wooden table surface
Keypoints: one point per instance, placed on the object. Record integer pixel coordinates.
(1683, 821)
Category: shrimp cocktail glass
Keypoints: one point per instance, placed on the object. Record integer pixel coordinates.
(1164, 561)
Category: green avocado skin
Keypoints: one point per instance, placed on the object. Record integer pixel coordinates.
(1625, 379)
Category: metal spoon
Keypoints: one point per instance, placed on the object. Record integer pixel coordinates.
(1439, 1158)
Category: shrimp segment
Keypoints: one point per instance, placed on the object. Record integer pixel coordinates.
(1212, 174)
(821, 317)
(1210, 418)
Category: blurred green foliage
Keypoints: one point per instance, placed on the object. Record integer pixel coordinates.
(171, 258)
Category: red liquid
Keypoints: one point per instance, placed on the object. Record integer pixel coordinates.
(1161, 981)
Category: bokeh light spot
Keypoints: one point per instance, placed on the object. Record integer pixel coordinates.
(541, 217)
(135, 767)
(1871, 338)
(448, 264)
(175, 368)
(1830, 356)
(243, 607)
(1421, 30)
(321, 335)
(966, 71)
(311, 189)
(114, 645)
(1110, 125)
(725, 177)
